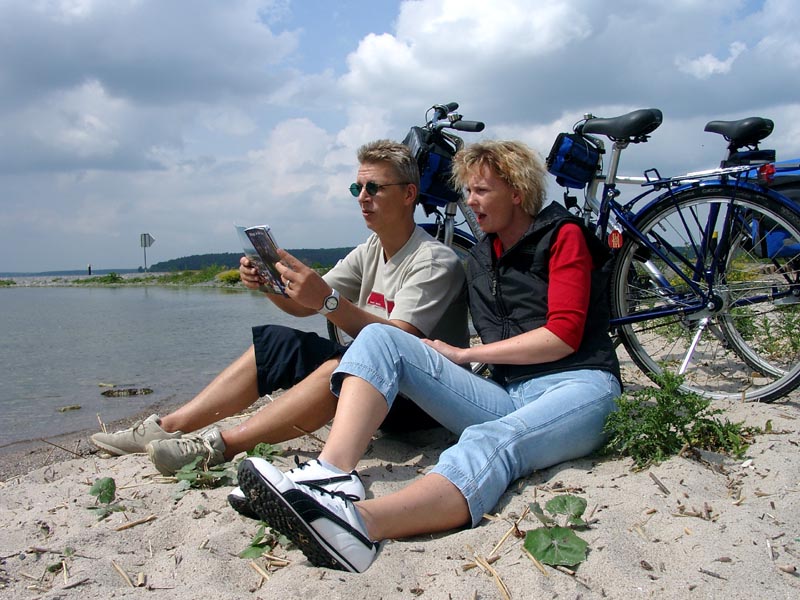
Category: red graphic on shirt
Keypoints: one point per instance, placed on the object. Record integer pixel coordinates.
(379, 300)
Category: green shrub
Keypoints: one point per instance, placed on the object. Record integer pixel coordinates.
(111, 278)
(229, 277)
(191, 277)
(653, 424)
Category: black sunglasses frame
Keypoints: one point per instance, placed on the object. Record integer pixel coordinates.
(371, 187)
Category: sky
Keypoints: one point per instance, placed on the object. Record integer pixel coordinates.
(181, 118)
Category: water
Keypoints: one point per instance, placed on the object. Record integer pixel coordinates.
(58, 344)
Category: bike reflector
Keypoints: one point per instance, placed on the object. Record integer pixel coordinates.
(766, 173)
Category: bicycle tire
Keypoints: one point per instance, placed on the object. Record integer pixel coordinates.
(747, 347)
(462, 244)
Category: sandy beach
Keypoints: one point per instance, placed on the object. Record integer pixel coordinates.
(687, 528)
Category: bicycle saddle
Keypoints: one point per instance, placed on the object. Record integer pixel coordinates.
(632, 125)
(744, 132)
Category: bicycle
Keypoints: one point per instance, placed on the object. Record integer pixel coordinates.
(705, 277)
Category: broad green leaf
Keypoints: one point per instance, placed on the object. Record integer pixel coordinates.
(253, 551)
(556, 546)
(566, 504)
(105, 489)
(539, 514)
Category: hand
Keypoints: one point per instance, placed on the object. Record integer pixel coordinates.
(303, 284)
(249, 274)
(452, 353)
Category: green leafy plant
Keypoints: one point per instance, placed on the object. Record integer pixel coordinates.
(110, 278)
(196, 475)
(557, 544)
(263, 541)
(653, 424)
(265, 451)
(105, 490)
(191, 277)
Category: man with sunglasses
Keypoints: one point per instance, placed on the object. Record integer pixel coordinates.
(400, 276)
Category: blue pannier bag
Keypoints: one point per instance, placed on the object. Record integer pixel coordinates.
(573, 160)
(435, 162)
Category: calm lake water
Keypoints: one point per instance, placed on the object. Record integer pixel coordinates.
(58, 344)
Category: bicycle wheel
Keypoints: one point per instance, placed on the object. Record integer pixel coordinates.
(461, 246)
(731, 333)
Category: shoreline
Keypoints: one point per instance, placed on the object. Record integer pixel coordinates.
(22, 457)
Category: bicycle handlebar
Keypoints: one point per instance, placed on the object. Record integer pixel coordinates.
(473, 126)
(440, 111)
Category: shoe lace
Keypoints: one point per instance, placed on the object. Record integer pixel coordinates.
(338, 494)
(137, 426)
(189, 445)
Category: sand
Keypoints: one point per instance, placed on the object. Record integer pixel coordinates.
(687, 528)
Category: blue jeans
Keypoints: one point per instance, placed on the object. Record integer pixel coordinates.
(505, 433)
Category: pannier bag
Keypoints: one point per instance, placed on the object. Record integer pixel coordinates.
(573, 160)
(434, 162)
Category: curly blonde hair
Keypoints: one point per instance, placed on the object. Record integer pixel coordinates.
(513, 162)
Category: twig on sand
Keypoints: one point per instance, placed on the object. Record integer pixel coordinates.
(483, 564)
(135, 523)
(660, 485)
(61, 447)
(257, 568)
(76, 583)
(122, 574)
(536, 562)
(712, 574)
(514, 528)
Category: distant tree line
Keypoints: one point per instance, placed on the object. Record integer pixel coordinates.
(316, 258)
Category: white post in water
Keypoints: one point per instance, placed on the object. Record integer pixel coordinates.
(146, 240)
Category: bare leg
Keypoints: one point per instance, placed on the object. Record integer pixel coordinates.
(360, 411)
(307, 406)
(426, 505)
(232, 391)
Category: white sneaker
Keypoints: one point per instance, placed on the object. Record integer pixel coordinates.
(308, 473)
(134, 439)
(169, 456)
(325, 526)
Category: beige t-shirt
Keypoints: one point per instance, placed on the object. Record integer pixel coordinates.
(423, 284)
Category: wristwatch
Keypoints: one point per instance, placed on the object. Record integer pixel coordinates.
(330, 304)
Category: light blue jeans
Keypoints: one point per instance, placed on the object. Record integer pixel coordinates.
(505, 433)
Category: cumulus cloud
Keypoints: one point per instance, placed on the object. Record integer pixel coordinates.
(707, 65)
(180, 118)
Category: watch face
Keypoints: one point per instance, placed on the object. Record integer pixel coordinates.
(331, 302)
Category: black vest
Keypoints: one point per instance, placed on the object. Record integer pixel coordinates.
(508, 296)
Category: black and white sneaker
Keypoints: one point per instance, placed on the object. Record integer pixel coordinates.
(310, 473)
(324, 525)
(239, 503)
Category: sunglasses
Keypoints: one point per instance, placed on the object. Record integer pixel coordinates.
(371, 187)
